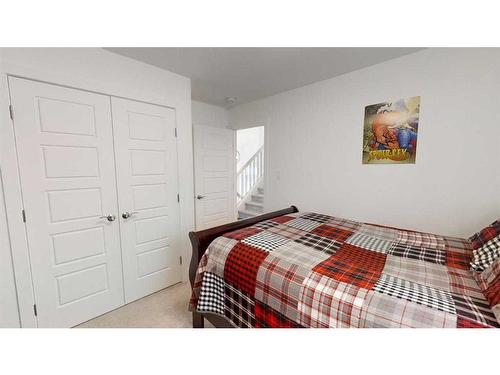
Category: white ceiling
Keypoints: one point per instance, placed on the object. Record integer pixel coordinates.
(253, 73)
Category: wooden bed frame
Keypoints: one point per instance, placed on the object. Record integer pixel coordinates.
(200, 241)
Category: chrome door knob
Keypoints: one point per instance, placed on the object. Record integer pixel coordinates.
(200, 196)
(126, 214)
(108, 217)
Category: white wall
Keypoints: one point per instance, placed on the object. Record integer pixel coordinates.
(97, 70)
(315, 140)
(248, 142)
(209, 115)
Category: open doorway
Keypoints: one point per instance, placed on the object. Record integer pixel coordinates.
(250, 171)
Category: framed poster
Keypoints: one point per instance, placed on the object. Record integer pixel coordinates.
(390, 132)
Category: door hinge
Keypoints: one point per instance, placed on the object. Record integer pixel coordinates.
(180, 260)
(175, 132)
(24, 216)
(178, 198)
(35, 310)
(11, 112)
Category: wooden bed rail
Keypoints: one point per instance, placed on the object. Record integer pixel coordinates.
(202, 239)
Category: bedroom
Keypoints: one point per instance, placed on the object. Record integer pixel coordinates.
(250, 185)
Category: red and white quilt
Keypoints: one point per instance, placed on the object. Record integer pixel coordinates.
(313, 270)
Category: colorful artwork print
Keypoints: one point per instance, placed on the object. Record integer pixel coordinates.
(390, 132)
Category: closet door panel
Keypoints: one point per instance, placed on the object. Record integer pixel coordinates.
(65, 150)
(146, 155)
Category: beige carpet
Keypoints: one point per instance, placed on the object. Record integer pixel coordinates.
(164, 309)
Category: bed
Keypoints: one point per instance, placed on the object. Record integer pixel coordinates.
(294, 269)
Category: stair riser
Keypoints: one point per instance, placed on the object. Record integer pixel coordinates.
(257, 199)
(253, 207)
(243, 215)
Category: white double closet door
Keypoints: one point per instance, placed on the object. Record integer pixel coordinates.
(99, 187)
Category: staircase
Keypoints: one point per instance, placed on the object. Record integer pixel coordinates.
(250, 193)
(253, 206)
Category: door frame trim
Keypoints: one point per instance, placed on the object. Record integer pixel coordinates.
(13, 207)
(10, 168)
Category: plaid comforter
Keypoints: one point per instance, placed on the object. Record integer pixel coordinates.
(313, 270)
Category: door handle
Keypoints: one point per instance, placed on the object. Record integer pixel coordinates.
(108, 217)
(126, 214)
(200, 196)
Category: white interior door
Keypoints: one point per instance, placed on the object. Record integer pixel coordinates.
(146, 155)
(65, 151)
(214, 176)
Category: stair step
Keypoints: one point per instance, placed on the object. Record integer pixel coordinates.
(245, 214)
(257, 207)
(260, 190)
(257, 198)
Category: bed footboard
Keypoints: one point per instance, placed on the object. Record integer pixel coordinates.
(200, 241)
